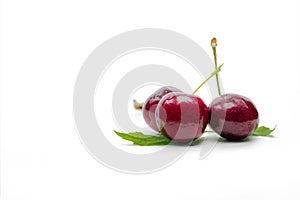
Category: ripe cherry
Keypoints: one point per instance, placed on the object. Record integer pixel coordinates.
(233, 116)
(182, 117)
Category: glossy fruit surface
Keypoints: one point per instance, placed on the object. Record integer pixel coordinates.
(182, 117)
(151, 103)
(233, 116)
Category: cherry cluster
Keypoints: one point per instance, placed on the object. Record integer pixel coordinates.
(183, 117)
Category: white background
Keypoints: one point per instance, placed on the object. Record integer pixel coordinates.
(43, 45)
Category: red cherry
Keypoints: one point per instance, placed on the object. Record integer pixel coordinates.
(182, 117)
(233, 116)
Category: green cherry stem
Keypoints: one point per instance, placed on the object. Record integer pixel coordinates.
(212, 74)
(214, 48)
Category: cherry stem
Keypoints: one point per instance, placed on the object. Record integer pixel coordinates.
(214, 48)
(212, 74)
(137, 105)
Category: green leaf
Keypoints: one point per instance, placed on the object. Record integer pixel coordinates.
(209, 131)
(141, 139)
(263, 131)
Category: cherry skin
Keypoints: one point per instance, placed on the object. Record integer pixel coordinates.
(233, 116)
(182, 117)
(151, 103)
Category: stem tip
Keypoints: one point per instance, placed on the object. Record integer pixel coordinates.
(213, 42)
(137, 105)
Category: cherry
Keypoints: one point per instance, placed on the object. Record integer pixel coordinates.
(182, 117)
(151, 103)
(233, 116)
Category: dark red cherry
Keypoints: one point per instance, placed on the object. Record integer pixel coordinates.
(233, 116)
(151, 103)
(182, 117)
